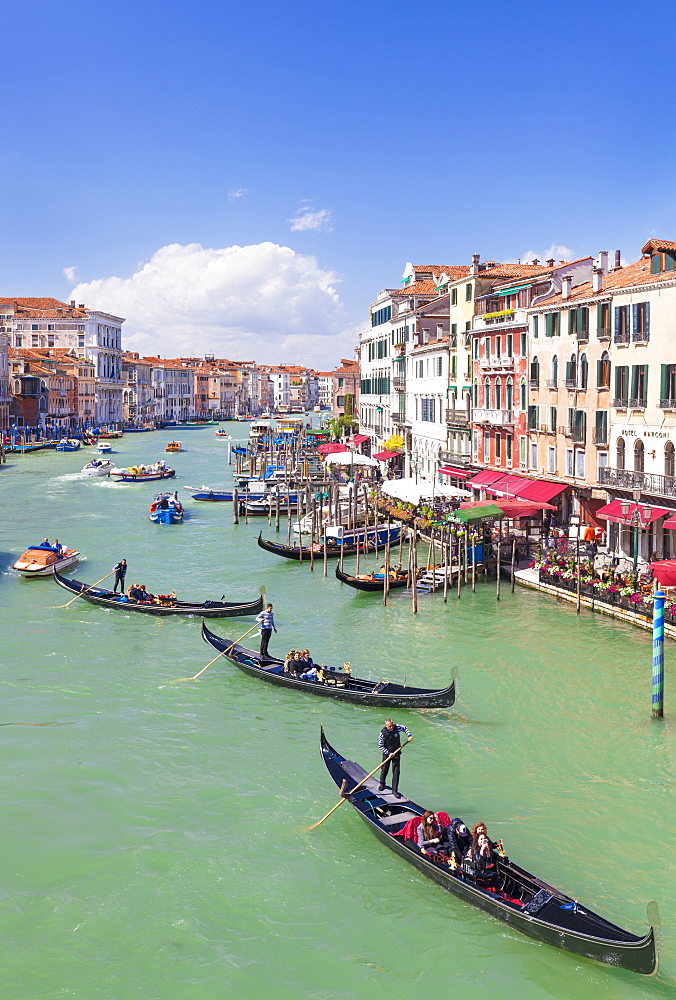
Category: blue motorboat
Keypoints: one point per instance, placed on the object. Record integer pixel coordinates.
(166, 508)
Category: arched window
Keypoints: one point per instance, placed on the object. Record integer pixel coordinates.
(619, 461)
(584, 372)
(17, 386)
(535, 373)
(487, 394)
(523, 393)
(498, 394)
(571, 372)
(603, 371)
(555, 371)
(669, 459)
(639, 456)
(509, 402)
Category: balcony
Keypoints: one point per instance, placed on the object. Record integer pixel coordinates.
(400, 419)
(457, 418)
(399, 383)
(566, 431)
(583, 335)
(552, 383)
(533, 383)
(603, 334)
(399, 349)
(637, 404)
(498, 363)
(496, 418)
(620, 403)
(668, 404)
(459, 459)
(571, 383)
(501, 317)
(647, 482)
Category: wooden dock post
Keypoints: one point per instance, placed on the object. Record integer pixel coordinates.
(513, 561)
(444, 559)
(497, 566)
(235, 506)
(414, 571)
(386, 582)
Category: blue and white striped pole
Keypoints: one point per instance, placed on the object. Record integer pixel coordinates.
(658, 655)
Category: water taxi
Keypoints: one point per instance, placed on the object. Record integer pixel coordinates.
(173, 446)
(143, 473)
(104, 447)
(166, 508)
(42, 560)
(68, 444)
(98, 467)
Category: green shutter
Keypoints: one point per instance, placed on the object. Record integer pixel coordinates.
(549, 324)
(655, 263)
(599, 316)
(664, 382)
(634, 381)
(535, 326)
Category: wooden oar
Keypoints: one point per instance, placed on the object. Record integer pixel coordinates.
(86, 590)
(228, 650)
(356, 788)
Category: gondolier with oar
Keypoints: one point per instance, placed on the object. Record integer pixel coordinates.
(266, 621)
(120, 570)
(389, 743)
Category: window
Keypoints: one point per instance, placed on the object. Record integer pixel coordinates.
(602, 458)
(571, 372)
(475, 443)
(522, 394)
(536, 325)
(533, 414)
(34, 326)
(454, 365)
(18, 340)
(454, 296)
(419, 368)
(533, 455)
(584, 372)
(427, 410)
(603, 319)
(510, 345)
(620, 453)
(80, 340)
(380, 316)
(498, 394)
(552, 324)
(639, 386)
(579, 464)
(569, 461)
(35, 340)
(438, 362)
(524, 342)
(522, 451)
(621, 385)
(509, 401)
(641, 317)
(621, 325)
(669, 460)
(601, 427)
(535, 373)
(468, 326)
(50, 326)
(603, 371)
(555, 372)
(468, 293)
(578, 323)
(498, 449)
(639, 457)
(508, 447)
(80, 328)
(579, 426)
(476, 394)
(552, 419)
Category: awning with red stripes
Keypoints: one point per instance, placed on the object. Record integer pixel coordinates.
(448, 470)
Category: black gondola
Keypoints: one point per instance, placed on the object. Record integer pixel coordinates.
(205, 609)
(293, 551)
(336, 684)
(523, 901)
(370, 583)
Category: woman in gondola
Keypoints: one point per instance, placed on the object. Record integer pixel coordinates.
(428, 833)
(482, 856)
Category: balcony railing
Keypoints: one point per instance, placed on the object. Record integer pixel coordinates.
(600, 435)
(399, 383)
(400, 418)
(583, 335)
(647, 482)
(533, 383)
(504, 363)
(620, 402)
(571, 383)
(566, 431)
(637, 404)
(500, 317)
(457, 418)
(399, 349)
(603, 334)
(552, 383)
(494, 417)
(458, 458)
(668, 404)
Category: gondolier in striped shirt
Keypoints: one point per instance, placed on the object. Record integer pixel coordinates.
(267, 623)
(390, 741)
(120, 570)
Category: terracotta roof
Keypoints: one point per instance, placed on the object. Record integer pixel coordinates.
(633, 275)
(657, 245)
(46, 308)
(417, 288)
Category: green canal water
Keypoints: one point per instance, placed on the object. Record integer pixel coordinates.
(154, 842)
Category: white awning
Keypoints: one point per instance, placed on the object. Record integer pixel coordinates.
(411, 492)
(349, 458)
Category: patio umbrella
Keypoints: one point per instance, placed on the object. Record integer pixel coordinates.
(488, 510)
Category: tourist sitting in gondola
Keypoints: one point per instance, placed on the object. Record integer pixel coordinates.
(457, 839)
(292, 664)
(482, 859)
(145, 597)
(428, 833)
(134, 592)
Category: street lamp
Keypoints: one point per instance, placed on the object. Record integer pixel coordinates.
(638, 518)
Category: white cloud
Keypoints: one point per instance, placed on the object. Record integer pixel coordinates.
(236, 194)
(307, 218)
(554, 251)
(265, 302)
(70, 274)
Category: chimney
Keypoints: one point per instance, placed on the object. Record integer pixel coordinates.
(597, 279)
(603, 261)
(72, 303)
(550, 262)
(81, 305)
(618, 260)
(535, 262)
(474, 269)
(566, 282)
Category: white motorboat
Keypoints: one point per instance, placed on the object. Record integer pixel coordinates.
(103, 447)
(98, 467)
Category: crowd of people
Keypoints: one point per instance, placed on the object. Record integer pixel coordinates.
(474, 852)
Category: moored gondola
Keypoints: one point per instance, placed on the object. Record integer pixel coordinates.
(338, 684)
(520, 899)
(373, 582)
(294, 551)
(166, 604)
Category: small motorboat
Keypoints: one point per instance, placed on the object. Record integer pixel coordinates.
(220, 433)
(143, 473)
(68, 444)
(104, 447)
(173, 446)
(98, 467)
(110, 434)
(166, 508)
(42, 560)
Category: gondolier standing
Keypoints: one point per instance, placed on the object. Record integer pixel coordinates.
(267, 623)
(120, 573)
(389, 742)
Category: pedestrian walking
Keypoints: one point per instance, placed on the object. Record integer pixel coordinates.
(267, 623)
(120, 570)
(390, 741)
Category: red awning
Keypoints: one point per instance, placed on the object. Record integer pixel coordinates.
(447, 470)
(360, 438)
(383, 456)
(540, 490)
(508, 485)
(485, 477)
(330, 449)
(613, 512)
(670, 522)
(664, 571)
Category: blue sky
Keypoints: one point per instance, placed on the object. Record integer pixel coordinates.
(335, 142)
